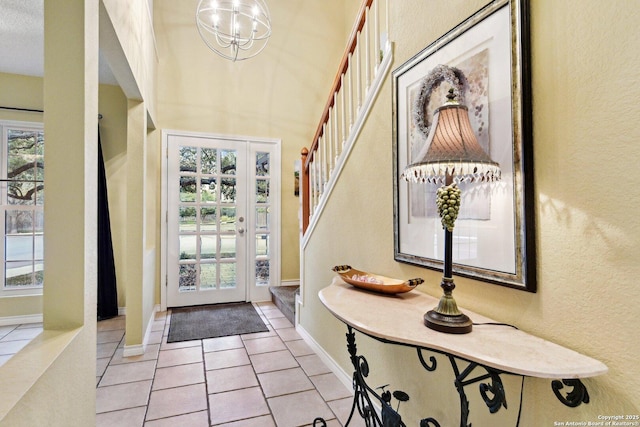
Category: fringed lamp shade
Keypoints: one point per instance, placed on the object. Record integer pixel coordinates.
(453, 151)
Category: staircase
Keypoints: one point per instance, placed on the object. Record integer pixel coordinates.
(284, 297)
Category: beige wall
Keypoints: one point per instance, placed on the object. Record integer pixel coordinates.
(62, 355)
(278, 94)
(584, 79)
(26, 92)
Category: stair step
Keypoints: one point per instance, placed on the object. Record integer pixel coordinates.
(284, 297)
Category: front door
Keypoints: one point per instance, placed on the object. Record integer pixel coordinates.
(220, 234)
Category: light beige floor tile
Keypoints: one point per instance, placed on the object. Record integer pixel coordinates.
(287, 381)
(12, 347)
(122, 396)
(158, 325)
(155, 337)
(180, 375)
(267, 362)
(180, 356)
(109, 336)
(4, 330)
(288, 334)
(112, 324)
(270, 333)
(127, 373)
(194, 419)
(22, 334)
(106, 349)
(237, 405)
(330, 387)
(280, 323)
(222, 343)
(101, 366)
(177, 401)
(133, 417)
(161, 315)
(264, 421)
(342, 408)
(299, 408)
(299, 348)
(313, 365)
(273, 314)
(180, 344)
(221, 380)
(264, 345)
(226, 359)
(150, 353)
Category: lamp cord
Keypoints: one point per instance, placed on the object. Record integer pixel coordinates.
(496, 324)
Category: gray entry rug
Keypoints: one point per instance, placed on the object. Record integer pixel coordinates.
(211, 321)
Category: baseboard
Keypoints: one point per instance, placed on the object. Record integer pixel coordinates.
(20, 320)
(343, 376)
(139, 349)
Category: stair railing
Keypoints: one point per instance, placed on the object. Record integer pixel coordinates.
(365, 62)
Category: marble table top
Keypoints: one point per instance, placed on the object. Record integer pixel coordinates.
(399, 318)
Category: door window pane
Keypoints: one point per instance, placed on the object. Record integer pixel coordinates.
(262, 244)
(262, 191)
(188, 247)
(228, 246)
(262, 164)
(208, 247)
(208, 276)
(187, 189)
(187, 281)
(228, 275)
(228, 190)
(227, 219)
(228, 162)
(262, 272)
(187, 218)
(208, 190)
(208, 160)
(208, 219)
(262, 218)
(188, 159)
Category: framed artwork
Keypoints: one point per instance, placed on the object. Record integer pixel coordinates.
(485, 59)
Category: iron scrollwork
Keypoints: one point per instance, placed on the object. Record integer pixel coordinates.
(575, 397)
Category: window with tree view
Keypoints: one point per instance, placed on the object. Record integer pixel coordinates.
(22, 202)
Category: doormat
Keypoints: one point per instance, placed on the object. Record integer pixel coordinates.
(211, 321)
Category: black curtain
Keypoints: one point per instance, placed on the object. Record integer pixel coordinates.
(107, 291)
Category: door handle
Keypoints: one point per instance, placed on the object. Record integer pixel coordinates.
(241, 230)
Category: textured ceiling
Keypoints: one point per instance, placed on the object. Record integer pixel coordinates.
(22, 40)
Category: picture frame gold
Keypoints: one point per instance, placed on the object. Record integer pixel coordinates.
(486, 59)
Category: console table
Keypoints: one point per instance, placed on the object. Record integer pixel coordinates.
(491, 348)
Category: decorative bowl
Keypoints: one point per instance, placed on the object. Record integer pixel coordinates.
(375, 282)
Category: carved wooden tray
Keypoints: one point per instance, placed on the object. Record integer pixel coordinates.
(375, 282)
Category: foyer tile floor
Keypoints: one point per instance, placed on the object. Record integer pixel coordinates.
(256, 380)
(14, 338)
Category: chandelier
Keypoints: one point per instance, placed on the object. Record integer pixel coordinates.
(234, 29)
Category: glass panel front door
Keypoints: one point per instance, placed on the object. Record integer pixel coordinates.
(206, 221)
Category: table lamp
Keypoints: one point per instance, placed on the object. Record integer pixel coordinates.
(453, 155)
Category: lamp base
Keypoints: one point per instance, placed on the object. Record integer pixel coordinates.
(448, 323)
